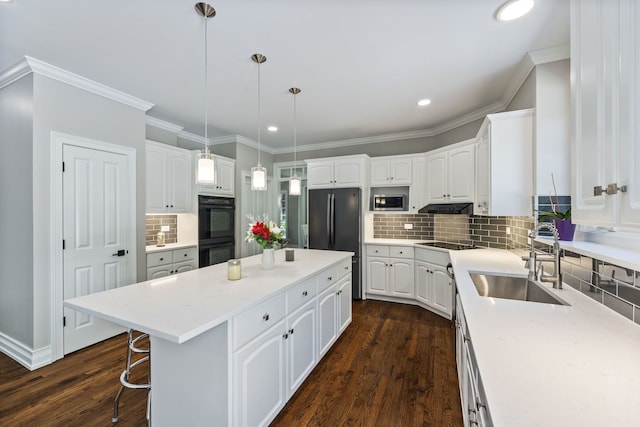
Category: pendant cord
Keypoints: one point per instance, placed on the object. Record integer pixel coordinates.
(206, 109)
(295, 134)
(259, 114)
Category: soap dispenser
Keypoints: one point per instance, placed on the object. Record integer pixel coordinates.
(160, 237)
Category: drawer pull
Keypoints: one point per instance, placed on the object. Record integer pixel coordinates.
(185, 254)
(329, 278)
(305, 293)
(291, 331)
(401, 252)
(346, 267)
(265, 317)
(161, 259)
(285, 335)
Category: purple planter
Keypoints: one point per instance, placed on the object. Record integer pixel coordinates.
(565, 228)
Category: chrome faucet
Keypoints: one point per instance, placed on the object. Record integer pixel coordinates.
(535, 258)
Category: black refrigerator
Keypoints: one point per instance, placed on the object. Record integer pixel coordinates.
(335, 217)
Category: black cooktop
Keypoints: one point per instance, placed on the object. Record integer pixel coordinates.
(449, 245)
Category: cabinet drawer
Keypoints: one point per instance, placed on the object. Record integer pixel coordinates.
(327, 278)
(344, 268)
(159, 258)
(254, 321)
(301, 293)
(401, 251)
(184, 254)
(377, 250)
(440, 258)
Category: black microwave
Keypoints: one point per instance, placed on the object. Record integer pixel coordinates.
(384, 202)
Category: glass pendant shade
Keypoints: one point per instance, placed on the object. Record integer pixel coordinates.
(206, 169)
(295, 185)
(258, 178)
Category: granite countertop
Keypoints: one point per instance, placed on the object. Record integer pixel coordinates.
(182, 306)
(549, 365)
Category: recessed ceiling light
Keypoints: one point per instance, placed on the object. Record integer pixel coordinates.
(424, 102)
(272, 128)
(514, 9)
(6, 1)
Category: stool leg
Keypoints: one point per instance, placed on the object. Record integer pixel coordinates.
(116, 401)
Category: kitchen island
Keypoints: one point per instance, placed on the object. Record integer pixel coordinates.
(233, 352)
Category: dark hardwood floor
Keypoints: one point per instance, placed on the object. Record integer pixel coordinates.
(394, 366)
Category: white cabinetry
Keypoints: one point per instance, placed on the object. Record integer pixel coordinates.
(450, 177)
(474, 408)
(164, 263)
(417, 194)
(168, 178)
(347, 171)
(433, 286)
(224, 176)
(504, 164)
(605, 75)
(386, 171)
(390, 271)
(334, 305)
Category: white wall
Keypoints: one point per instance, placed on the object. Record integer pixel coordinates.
(16, 213)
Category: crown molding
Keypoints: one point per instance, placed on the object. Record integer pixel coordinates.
(14, 73)
(161, 124)
(192, 137)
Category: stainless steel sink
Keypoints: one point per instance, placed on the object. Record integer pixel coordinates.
(515, 288)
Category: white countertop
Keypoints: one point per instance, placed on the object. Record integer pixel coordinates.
(549, 365)
(182, 306)
(168, 246)
(626, 258)
(395, 242)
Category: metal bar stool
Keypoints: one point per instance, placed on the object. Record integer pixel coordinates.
(132, 349)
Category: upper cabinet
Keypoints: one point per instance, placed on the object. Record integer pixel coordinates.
(347, 171)
(504, 172)
(449, 174)
(389, 171)
(224, 175)
(417, 196)
(605, 76)
(168, 178)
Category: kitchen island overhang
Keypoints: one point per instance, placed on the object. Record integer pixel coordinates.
(199, 320)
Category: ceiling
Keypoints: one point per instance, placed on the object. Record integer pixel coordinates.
(362, 65)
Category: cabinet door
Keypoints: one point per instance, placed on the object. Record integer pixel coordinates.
(327, 319)
(348, 172)
(417, 196)
(184, 266)
(181, 182)
(379, 172)
(400, 171)
(320, 174)
(377, 276)
(483, 171)
(225, 175)
(436, 185)
(156, 180)
(301, 345)
(423, 282)
(442, 290)
(161, 271)
(460, 176)
(401, 278)
(259, 390)
(345, 301)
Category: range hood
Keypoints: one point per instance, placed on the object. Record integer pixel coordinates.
(448, 208)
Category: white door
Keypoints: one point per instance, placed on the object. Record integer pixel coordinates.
(401, 278)
(377, 276)
(436, 178)
(302, 341)
(94, 222)
(460, 176)
(442, 290)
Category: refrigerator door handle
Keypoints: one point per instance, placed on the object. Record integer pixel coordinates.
(329, 220)
(332, 229)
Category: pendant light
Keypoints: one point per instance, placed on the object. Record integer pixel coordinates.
(295, 183)
(205, 172)
(259, 173)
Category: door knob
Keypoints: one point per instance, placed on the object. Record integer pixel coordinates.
(122, 252)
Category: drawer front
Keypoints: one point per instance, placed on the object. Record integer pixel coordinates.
(344, 268)
(301, 293)
(377, 250)
(253, 322)
(327, 278)
(401, 252)
(159, 258)
(185, 254)
(440, 258)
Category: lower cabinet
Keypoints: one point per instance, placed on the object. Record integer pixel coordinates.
(164, 263)
(390, 271)
(275, 353)
(474, 408)
(433, 286)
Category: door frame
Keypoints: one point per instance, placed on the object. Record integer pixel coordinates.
(58, 141)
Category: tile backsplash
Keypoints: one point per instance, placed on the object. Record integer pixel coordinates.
(153, 223)
(493, 232)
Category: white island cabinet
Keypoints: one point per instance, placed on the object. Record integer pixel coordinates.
(232, 352)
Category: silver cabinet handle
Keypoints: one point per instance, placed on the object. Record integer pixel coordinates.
(305, 293)
(265, 317)
(291, 331)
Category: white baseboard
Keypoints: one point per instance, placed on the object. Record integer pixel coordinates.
(27, 357)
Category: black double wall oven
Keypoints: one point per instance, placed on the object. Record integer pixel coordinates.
(216, 229)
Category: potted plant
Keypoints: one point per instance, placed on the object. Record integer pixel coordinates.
(269, 236)
(561, 220)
